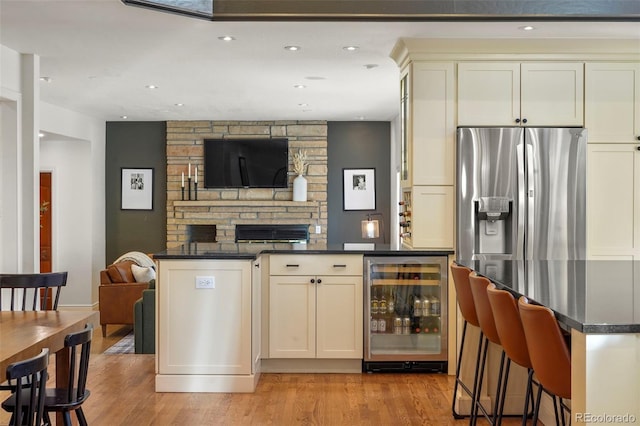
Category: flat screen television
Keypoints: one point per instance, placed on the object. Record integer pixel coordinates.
(246, 163)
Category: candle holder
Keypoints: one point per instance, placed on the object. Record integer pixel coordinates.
(182, 193)
(195, 191)
(189, 186)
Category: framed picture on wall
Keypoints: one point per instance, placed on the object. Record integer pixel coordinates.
(359, 189)
(137, 189)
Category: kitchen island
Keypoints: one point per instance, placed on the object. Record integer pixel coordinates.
(598, 301)
(213, 330)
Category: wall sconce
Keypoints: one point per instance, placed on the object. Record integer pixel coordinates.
(371, 227)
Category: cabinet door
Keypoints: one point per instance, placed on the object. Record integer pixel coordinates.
(432, 122)
(612, 102)
(292, 317)
(552, 94)
(613, 213)
(339, 317)
(432, 217)
(488, 93)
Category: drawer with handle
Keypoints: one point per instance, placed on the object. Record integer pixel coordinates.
(315, 264)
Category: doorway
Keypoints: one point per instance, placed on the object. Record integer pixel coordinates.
(45, 229)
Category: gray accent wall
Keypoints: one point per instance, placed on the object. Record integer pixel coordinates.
(135, 145)
(143, 145)
(355, 145)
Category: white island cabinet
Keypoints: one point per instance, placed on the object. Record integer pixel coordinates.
(205, 338)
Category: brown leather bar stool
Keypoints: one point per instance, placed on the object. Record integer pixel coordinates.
(549, 353)
(479, 286)
(468, 310)
(505, 312)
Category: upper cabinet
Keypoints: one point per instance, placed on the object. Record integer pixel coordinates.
(612, 102)
(528, 94)
(428, 128)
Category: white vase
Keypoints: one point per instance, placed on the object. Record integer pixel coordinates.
(300, 188)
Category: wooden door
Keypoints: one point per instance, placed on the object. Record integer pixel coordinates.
(45, 226)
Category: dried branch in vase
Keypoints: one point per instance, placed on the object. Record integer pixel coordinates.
(299, 162)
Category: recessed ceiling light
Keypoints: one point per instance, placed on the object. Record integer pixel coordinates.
(360, 117)
(303, 105)
(46, 79)
(293, 48)
(124, 117)
(226, 38)
(313, 77)
(370, 66)
(151, 86)
(527, 28)
(179, 104)
(40, 135)
(351, 48)
(300, 86)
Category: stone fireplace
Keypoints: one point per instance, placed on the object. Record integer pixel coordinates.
(225, 208)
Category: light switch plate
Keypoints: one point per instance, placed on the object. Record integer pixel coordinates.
(205, 282)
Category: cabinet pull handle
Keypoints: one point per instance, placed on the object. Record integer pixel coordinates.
(344, 266)
(292, 265)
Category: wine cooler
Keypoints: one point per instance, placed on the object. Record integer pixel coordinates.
(405, 314)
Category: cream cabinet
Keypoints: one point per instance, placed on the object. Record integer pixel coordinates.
(430, 125)
(207, 339)
(512, 93)
(613, 209)
(315, 306)
(612, 102)
(431, 218)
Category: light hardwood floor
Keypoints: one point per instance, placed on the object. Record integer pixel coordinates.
(122, 393)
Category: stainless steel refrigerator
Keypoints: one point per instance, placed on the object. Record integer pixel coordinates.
(521, 193)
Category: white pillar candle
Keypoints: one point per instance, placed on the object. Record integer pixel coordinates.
(189, 171)
(183, 179)
(196, 174)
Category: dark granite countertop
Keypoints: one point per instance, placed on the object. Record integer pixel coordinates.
(252, 250)
(591, 296)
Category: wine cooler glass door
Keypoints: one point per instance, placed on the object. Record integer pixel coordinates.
(405, 309)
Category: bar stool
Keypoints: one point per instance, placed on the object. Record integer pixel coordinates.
(479, 286)
(468, 310)
(549, 353)
(505, 312)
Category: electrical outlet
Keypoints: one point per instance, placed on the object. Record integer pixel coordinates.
(205, 282)
(318, 229)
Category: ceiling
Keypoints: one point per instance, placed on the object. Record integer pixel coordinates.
(101, 54)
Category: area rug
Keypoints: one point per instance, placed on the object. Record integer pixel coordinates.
(126, 345)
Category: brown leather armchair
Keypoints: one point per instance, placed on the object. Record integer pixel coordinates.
(117, 293)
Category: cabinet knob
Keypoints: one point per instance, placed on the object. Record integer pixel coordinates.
(524, 120)
(638, 148)
(313, 281)
(639, 138)
(319, 281)
(517, 120)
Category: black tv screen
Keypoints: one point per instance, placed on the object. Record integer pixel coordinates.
(246, 163)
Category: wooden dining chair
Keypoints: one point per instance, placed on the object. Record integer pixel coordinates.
(31, 292)
(26, 404)
(66, 400)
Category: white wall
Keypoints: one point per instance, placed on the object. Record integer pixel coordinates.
(75, 153)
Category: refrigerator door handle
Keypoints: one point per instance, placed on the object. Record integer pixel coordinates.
(530, 215)
(521, 198)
